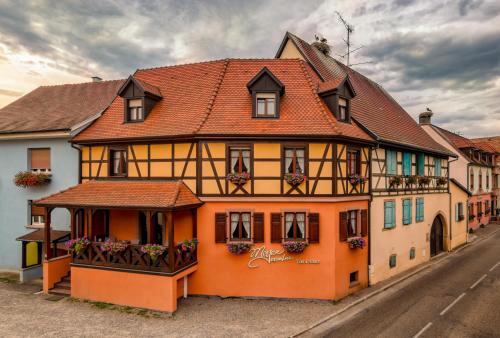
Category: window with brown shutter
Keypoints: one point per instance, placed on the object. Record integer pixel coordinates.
(220, 227)
(37, 215)
(313, 227)
(364, 223)
(343, 226)
(258, 227)
(40, 160)
(276, 228)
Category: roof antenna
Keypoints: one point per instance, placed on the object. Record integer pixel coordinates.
(350, 30)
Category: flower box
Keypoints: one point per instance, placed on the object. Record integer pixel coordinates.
(187, 245)
(29, 179)
(238, 179)
(395, 181)
(410, 180)
(77, 245)
(153, 250)
(114, 247)
(487, 211)
(356, 242)
(294, 246)
(461, 217)
(238, 248)
(356, 179)
(479, 214)
(471, 217)
(423, 181)
(295, 179)
(441, 181)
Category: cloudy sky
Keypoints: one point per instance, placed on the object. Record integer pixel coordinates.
(444, 55)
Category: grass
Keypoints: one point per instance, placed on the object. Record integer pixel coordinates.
(9, 279)
(124, 309)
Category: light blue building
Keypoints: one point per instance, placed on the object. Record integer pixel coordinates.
(34, 137)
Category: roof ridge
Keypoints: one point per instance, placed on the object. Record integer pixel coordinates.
(211, 101)
(78, 83)
(316, 97)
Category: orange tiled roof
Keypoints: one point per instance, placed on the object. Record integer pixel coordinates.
(124, 194)
(50, 108)
(211, 98)
(488, 144)
(372, 106)
(456, 140)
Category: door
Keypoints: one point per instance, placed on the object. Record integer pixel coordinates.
(436, 236)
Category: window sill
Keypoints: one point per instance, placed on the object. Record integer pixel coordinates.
(387, 229)
(354, 284)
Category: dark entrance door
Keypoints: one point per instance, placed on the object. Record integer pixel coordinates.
(436, 236)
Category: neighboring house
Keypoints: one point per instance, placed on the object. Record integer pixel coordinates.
(243, 155)
(459, 214)
(493, 144)
(410, 208)
(34, 138)
(473, 169)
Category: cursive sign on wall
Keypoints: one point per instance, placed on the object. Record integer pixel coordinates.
(269, 256)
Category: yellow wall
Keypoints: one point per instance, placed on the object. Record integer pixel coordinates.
(458, 228)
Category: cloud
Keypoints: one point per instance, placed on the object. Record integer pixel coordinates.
(7, 92)
(464, 6)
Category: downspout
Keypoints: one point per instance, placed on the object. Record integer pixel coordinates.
(79, 161)
(449, 195)
(370, 214)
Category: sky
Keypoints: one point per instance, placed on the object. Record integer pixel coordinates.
(442, 55)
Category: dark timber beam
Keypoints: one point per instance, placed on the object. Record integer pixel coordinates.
(47, 240)
(170, 226)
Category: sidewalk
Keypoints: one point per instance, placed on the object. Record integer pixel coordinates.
(372, 291)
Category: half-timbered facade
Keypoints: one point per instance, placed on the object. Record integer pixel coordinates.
(409, 211)
(278, 180)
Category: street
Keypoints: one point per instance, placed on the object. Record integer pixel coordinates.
(458, 297)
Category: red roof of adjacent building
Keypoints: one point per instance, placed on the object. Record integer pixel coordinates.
(51, 108)
(124, 194)
(372, 106)
(211, 98)
(456, 140)
(488, 144)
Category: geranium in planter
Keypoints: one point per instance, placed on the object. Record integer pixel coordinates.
(238, 179)
(487, 211)
(238, 248)
(441, 181)
(114, 247)
(29, 179)
(356, 242)
(295, 179)
(77, 245)
(294, 246)
(461, 217)
(471, 217)
(153, 250)
(356, 179)
(410, 180)
(187, 245)
(479, 214)
(395, 181)
(423, 180)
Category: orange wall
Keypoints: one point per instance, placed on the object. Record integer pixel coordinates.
(141, 290)
(54, 270)
(182, 226)
(224, 274)
(123, 224)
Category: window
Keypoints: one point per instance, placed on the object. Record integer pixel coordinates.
(392, 261)
(240, 160)
(295, 226)
(240, 226)
(420, 164)
(343, 110)
(479, 207)
(412, 253)
(353, 278)
(353, 162)
(419, 212)
(36, 215)
(495, 181)
(118, 158)
(406, 211)
(389, 214)
(135, 110)
(39, 160)
(294, 160)
(459, 212)
(352, 223)
(471, 209)
(480, 180)
(391, 162)
(266, 105)
(437, 167)
(487, 181)
(471, 183)
(406, 164)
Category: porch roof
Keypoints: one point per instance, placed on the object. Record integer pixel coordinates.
(124, 194)
(38, 236)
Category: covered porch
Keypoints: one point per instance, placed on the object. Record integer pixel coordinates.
(115, 224)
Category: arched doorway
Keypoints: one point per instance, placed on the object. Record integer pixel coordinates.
(436, 240)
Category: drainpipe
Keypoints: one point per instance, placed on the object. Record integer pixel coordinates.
(79, 162)
(370, 213)
(449, 194)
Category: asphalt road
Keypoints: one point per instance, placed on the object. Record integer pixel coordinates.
(458, 297)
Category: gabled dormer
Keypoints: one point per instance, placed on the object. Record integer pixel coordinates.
(139, 98)
(337, 96)
(266, 92)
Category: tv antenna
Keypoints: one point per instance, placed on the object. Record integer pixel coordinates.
(350, 30)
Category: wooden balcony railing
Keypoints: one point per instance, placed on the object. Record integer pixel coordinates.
(413, 183)
(132, 258)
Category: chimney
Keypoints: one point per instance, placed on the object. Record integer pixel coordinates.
(425, 117)
(96, 79)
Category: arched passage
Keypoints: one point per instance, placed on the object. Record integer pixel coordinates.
(437, 236)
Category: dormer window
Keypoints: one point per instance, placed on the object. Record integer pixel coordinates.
(135, 110)
(337, 96)
(343, 110)
(266, 104)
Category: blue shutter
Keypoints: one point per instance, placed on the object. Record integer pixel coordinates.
(420, 164)
(456, 212)
(406, 212)
(437, 167)
(419, 217)
(389, 214)
(406, 164)
(391, 162)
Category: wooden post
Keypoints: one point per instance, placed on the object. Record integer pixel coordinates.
(194, 221)
(150, 227)
(47, 241)
(89, 223)
(72, 221)
(170, 224)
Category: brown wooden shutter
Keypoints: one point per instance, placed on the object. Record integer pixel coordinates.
(40, 158)
(343, 226)
(220, 227)
(276, 227)
(258, 227)
(313, 227)
(37, 211)
(364, 222)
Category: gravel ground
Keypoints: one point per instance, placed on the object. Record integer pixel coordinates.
(25, 314)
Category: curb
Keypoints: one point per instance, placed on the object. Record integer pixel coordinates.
(388, 286)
